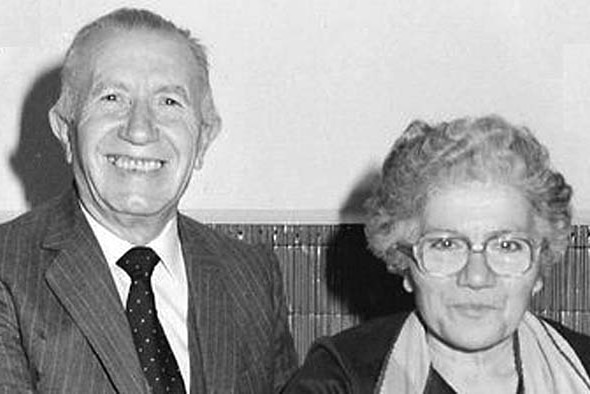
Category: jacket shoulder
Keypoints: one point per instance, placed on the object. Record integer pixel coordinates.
(31, 224)
(362, 350)
(578, 341)
(367, 345)
(254, 261)
(218, 243)
(22, 239)
(214, 238)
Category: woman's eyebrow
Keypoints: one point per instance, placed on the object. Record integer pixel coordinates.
(428, 230)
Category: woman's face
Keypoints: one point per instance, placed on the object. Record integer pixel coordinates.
(475, 308)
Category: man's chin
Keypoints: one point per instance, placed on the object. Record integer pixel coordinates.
(142, 211)
(141, 208)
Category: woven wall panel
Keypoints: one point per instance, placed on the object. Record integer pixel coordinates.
(332, 282)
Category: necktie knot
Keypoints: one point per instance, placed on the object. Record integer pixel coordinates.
(139, 262)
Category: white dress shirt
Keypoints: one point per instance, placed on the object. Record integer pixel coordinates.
(168, 281)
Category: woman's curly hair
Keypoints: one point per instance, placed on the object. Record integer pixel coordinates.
(487, 149)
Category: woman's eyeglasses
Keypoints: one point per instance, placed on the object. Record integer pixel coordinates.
(506, 254)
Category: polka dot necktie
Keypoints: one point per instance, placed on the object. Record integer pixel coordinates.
(155, 355)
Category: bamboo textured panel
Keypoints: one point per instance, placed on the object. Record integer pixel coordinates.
(332, 282)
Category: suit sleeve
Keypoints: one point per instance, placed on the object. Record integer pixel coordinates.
(285, 359)
(15, 375)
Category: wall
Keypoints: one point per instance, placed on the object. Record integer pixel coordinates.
(312, 93)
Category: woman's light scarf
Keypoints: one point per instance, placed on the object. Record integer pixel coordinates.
(549, 363)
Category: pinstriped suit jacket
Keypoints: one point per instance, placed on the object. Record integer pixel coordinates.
(63, 327)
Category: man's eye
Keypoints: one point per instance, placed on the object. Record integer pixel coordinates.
(171, 102)
(110, 97)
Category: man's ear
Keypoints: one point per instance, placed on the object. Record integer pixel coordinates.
(61, 129)
(209, 128)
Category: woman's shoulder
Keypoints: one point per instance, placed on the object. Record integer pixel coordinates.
(363, 340)
(578, 341)
(348, 362)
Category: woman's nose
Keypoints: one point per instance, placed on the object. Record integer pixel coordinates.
(476, 274)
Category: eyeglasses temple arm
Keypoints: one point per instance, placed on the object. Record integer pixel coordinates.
(406, 249)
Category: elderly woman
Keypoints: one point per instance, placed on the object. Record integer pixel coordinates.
(471, 214)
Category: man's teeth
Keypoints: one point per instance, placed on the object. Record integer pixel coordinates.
(135, 164)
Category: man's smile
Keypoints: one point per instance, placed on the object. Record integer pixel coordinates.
(139, 164)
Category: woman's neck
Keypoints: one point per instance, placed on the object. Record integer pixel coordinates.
(491, 371)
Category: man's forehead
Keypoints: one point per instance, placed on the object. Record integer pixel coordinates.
(137, 41)
(116, 48)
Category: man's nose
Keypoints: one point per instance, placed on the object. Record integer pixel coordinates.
(140, 128)
(476, 274)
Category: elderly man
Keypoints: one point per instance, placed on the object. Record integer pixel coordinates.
(108, 288)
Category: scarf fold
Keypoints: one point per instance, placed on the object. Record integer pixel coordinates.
(549, 363)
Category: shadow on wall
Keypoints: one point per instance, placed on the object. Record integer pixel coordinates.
(356, 277)
(38, 160)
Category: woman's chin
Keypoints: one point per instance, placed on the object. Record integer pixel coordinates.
(474, 339)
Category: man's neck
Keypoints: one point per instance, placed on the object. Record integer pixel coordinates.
(137, 230)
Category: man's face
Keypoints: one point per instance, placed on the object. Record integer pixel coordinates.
(138, 127)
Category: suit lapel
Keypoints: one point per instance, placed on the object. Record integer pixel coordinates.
(80, 279)
(213, 343)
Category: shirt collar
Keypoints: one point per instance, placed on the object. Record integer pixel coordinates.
(166, 244)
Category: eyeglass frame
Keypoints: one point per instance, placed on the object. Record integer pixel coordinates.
(411, 250)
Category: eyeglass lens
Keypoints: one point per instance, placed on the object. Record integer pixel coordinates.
(448, 255)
